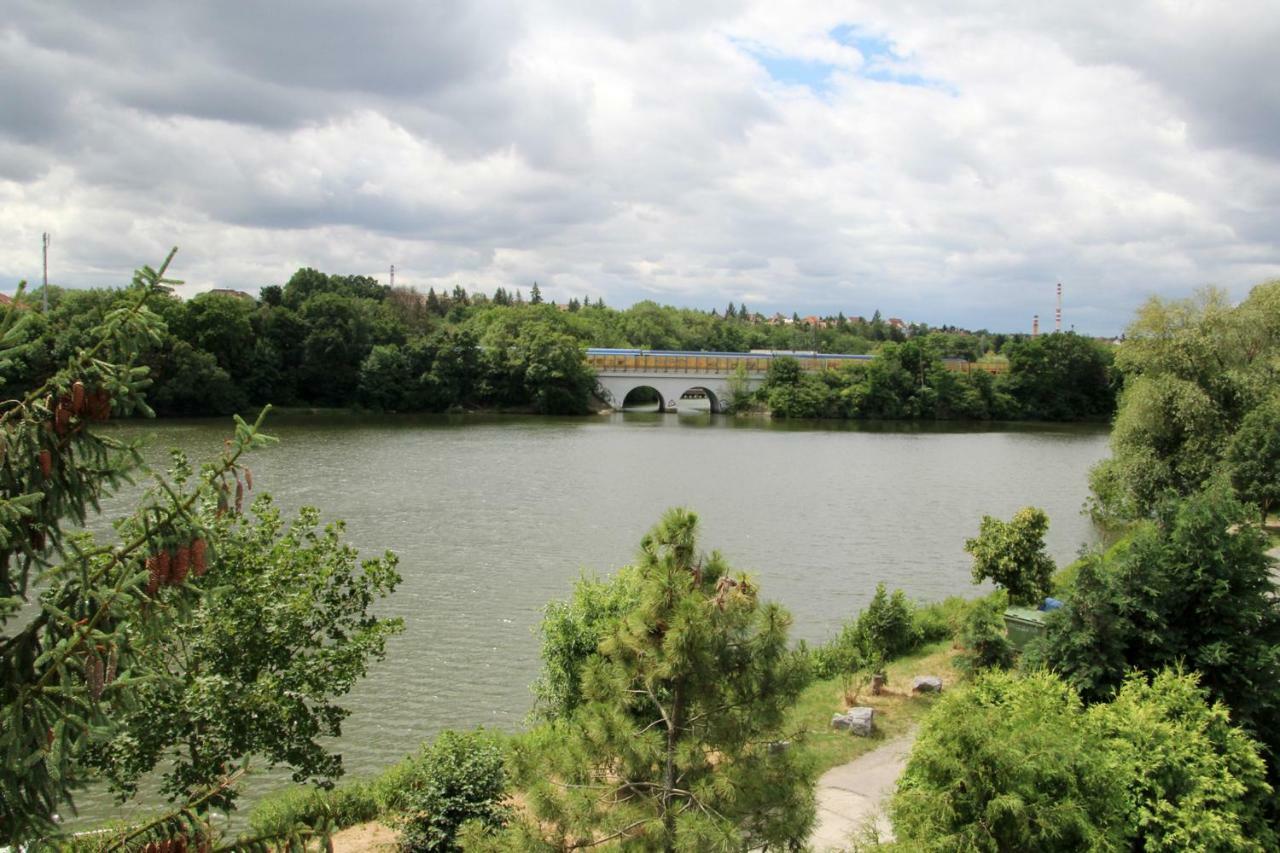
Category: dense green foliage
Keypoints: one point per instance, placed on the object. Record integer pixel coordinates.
(1253, 457)
(186, 637)
(1004, 765)
(1011, 555)
(1052, 377)
(283, 628)
(457, 778)
(891, 626)
(571, 634)
(1015, 762)
(1060, 377)
(982, 636)
(1191, 587)
(278, 813)
(1194, 371)
(332, 340)
(671, 744)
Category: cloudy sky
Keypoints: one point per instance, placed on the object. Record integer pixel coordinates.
(941, 161)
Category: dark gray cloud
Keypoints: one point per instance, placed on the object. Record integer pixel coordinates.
(648, 152)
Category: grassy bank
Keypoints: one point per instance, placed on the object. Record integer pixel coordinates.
(897, 710)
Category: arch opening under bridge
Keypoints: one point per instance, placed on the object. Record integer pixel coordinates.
(695, 396)
(642, 398)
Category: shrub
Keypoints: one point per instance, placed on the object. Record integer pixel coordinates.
(1195, 781)
(939, 620)
(458, 778)
(571, 630)
(1192, 587)
(1016, 763)
(1005, 765)
(280, 812)
(887, 626)
(983, 637)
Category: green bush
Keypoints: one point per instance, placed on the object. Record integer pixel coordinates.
(982, 635)
(279, 812)
(890, 627)
(1191, 587)
(1004, 765)
(887, 627)
(1017, 763)
(570, 631)
(458, 778)
(939, 620)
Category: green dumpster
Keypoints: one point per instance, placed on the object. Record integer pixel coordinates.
(1023, 624)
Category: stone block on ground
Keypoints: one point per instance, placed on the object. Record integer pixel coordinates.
(858, 721)
(926, 684)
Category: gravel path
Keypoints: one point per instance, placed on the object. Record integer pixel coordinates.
(850, 794)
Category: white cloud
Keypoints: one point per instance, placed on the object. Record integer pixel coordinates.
(951, 165)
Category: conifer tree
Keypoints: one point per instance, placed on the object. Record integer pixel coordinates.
(535, 295)
(677, 741)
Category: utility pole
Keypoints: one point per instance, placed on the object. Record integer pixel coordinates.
(44, 242)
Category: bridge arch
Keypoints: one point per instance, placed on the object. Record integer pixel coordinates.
(710, 395)
(643, 395)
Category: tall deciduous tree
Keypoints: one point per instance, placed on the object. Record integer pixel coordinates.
(674, 742)
(1194, 369)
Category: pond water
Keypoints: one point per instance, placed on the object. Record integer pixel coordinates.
(495, 516)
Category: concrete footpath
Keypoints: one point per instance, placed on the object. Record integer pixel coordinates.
(852, 793)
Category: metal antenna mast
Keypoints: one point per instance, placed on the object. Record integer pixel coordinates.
(44, 243)
(1057, 314)
(393, 275)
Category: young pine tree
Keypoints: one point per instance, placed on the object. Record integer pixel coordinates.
(675, 744)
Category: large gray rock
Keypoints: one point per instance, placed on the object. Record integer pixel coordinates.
(858, 721)
(926, 684)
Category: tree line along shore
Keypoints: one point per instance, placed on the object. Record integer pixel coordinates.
(324, 340)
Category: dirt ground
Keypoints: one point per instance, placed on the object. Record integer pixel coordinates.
(372, 837)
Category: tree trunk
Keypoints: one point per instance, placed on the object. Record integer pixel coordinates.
(675, 723)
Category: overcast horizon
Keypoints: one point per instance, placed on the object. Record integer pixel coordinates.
(944, 163)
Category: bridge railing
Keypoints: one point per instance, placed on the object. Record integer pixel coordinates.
(666, 361)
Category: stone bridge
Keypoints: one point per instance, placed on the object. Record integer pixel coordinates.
(615, 384)
(673, 375)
